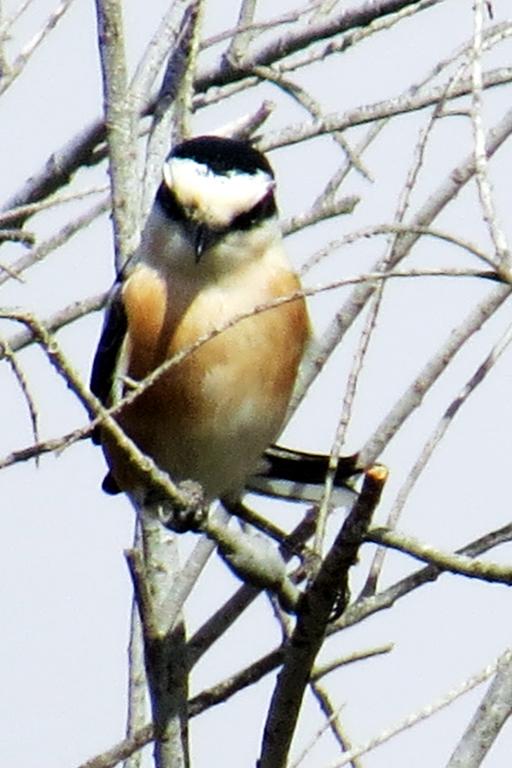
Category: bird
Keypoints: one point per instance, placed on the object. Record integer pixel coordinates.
(211, 255)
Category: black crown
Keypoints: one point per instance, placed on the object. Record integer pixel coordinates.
(223, 155)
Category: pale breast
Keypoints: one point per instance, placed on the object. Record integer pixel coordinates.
(211, 416)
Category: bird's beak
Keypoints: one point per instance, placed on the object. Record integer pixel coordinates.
(200, 241)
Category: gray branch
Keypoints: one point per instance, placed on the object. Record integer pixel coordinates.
(490, 717)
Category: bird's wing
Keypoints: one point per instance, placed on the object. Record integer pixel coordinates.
(108, 351)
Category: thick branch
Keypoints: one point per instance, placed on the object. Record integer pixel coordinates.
(327, 593)
(296, 40)
(164, 643)
(120, 122)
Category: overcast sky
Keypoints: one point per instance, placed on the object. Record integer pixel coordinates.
(65, 590)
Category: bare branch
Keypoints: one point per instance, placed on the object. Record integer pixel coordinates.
(300, 38)
(17, 236)
(490, 717)
(137, 680)
(164, 644)
(22, 211)
(7, 352)
(332, 722)
(175, 92)
(96, 410)
(327, 593)
(419, 716)
(413, 396)
(22, 59)
(241, 38)
(42, 250)
(244, 127)
(56, 173)
(104, 416)
(379, 111)
(368, 606)
(121, 751)
(357, 612)
(80, 150)
(351, 308)
(445, 561)
(156, 53)
(60, 319)
(481, 165)
(431, 444)
(121, 131)
(292, 51)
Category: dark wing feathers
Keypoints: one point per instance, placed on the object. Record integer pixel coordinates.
(107, 353)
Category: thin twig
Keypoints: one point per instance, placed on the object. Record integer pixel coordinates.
(445, 561)
(350, 310)
(60, 319)
(184, 73)
(18, 65)
(378, 111)
(332, 722)
(490, 717)
(111, 757)
(157, 50)
(21, 211)
(368, 606)
(95, 409)
(215, 627)
(103, 416)
(41, 251)
(416, 391)
(7, 352)
(57, 171)
(419, 716)
(299, 38)
(17, 236)
(482, 170)
(431, 444)
(403, 206)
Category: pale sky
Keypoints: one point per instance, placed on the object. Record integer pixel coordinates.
(66, 591)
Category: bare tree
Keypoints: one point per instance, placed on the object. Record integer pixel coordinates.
(389, 127)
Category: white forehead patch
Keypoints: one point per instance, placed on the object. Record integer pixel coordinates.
(212, 198)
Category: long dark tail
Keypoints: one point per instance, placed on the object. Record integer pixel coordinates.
(299, 475)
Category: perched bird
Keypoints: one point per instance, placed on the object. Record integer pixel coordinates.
(211, 250)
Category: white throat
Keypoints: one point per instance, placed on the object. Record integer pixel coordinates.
(215, 199)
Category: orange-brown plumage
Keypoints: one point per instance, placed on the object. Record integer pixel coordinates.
(211, 416)
(211, 251)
